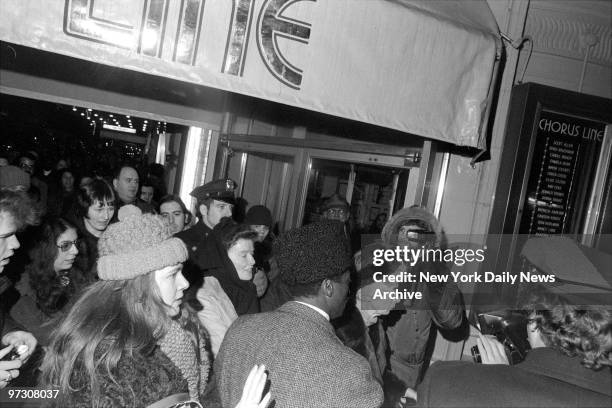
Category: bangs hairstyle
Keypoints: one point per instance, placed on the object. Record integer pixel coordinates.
(110, 318)
(51, 295)
(576, 331)
(96, 191)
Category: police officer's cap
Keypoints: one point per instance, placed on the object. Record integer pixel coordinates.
(221, 190)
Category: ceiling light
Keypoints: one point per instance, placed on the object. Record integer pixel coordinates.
(119, 128)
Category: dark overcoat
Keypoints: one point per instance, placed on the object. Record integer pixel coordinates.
(546, 378)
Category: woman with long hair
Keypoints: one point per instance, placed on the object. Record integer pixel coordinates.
(62, 196)
(53, 278)
(128, 341)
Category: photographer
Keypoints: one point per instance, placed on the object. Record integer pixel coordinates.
(412, 329)
(569, 363)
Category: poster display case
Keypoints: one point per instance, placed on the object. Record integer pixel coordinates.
(554, 178)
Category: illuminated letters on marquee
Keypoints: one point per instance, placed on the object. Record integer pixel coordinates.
(147, 38)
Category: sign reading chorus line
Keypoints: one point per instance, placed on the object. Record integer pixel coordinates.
(148, 38)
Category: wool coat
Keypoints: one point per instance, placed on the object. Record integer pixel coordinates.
(546, 378)
(308, 366)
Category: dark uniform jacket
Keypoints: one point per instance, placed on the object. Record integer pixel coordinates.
(546, 378)
(208, 257)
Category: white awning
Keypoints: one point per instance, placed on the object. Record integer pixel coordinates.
(422, 67)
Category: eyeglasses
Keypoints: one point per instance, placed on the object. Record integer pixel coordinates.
(336, 211)
(65, 246)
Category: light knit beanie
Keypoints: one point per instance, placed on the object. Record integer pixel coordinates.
(136, 245)
(12, 177)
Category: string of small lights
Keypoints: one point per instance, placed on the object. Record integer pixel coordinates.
(119, 122)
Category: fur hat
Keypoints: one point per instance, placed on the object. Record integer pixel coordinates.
(419, 217)
(312, 253)
(12, 177)
(136, 245)
(335, 201)
(258, 215)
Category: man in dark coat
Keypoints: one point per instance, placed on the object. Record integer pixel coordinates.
(308, 365)
(125, 183)
(546, 378)
(412, 336)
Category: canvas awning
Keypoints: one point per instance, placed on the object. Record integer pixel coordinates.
(422, 67)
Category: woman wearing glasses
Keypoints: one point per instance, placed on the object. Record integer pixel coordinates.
(51, 280)
(129, 341)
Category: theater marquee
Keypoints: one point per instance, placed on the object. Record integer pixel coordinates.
(425, 68)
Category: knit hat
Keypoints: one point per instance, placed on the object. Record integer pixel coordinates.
(312, 253)
(136, 245)
(258, 215)
(12, 176)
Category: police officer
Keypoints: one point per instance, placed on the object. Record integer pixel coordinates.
(207, 256)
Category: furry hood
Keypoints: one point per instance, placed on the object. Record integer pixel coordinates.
(391, 228)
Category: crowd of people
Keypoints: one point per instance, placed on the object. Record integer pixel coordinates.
(120, 297)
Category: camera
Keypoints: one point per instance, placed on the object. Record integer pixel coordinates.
(510, 328)
(16, 353)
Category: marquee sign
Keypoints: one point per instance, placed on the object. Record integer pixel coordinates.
(398, 64)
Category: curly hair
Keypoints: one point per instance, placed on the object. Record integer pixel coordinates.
(51, 294)
(576, 331)
(21, 207)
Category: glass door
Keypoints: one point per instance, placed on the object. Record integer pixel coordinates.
(374, 185)
(265, 175)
